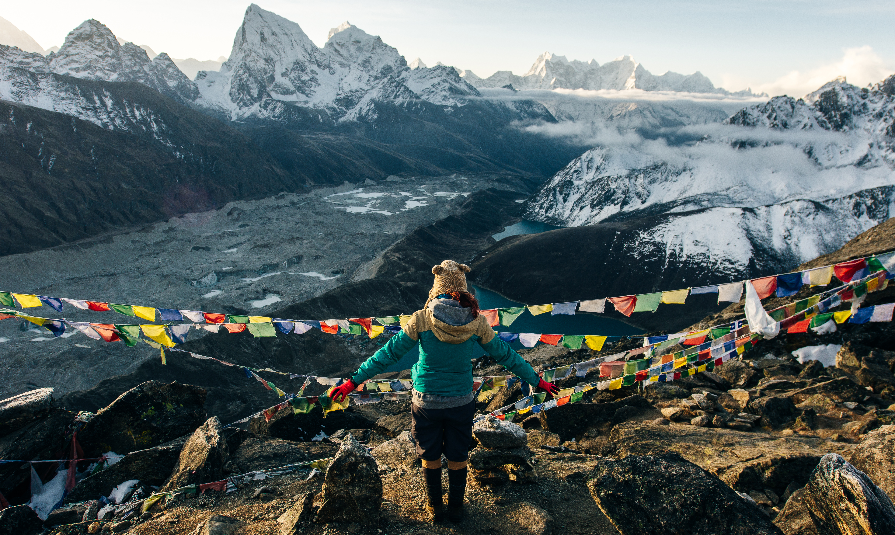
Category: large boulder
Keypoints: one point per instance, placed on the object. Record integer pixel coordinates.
(302, 427)
(869, 366)
(775, 411)
(840, 390)
(147, 415)
(18, 411)
(399, 451)
(258, 453)
(202, 458)
(151, 466)
(392, 425)
(740, 373)
(20, 520)
(352, 488)
(774, 472)
(875, 456)
(665, 494)
(838, 499)
(499, 434)
(295, 520)
(572, 421)
(43, 438)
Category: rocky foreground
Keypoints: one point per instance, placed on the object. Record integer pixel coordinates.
(767, 443)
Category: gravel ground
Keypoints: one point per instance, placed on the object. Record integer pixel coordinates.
(249, 257)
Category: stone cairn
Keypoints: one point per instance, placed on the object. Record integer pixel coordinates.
(503, 452)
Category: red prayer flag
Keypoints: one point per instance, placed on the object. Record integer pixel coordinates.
(705, 354)
(765, 287)
(719, 361)
(366, 323)
(5, 316)
(800, 327)
(625, 304)
(641, 375)
(792, 320)
(217, 485)
(331, 329)
(214, 318)
(563, 401)
(501, 416)
(677, 375)
(551, 339)
(107, 331)
(491, 316)
(235, 327)
(695, 341)
(99, 307)
(845, 271)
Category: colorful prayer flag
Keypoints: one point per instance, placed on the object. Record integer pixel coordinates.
(147, 313)
(51, 302)
(624, 304)
(130, 334)
(552, 339)
(106, 331)
(788, 284)
(262, 330)
(126, 310)
(676, 297)
(648, 302)
(882, 313)
(157, 333)
(730, 293)
(28, 301)
(566, 309)
(597, 306)
(6, 299)
(572, 341)
(492, 317)
(820, 276)
(508, 315)
(765, 286)
(851, 270)
(539, 309)
(214, 318)
(595, 342)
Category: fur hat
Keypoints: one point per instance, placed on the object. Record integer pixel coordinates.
(449, 277)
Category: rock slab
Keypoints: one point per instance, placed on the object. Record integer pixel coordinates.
(875, 456)
(667, 495)
(203, 457)
(352, 488)
(18, 411)
(499, 434)
(20, 520)
(838, 499)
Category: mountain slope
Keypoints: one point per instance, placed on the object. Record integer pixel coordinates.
(12, 36)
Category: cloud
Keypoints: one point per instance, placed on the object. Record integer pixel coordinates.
(860, 66)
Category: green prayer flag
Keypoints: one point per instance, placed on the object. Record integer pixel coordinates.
(648, 302)
(820, 319)
(692, 358)
(874, 265)
(549, 375)
(861, 289)
(710, 365)
(127, 310)
(129, 333)
(324, 401)
(237, 319)
(630, 367)
(643, 364)
(719, 332)
(6, 299)
(262, 330)
(344, 330)
(577, 396)
(539, 398)
(628, 380)
(388, 320)
(802, 305)
(301, 405)
(356, 329)
(777, 315)
(508, 315)
(510, 416)
(572, 341)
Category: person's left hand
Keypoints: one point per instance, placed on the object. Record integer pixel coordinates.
(340, 392)
(550, 388)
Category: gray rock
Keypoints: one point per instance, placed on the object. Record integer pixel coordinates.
(739, 373)
(705, 403)
(20, 520)
(735, 399)
(485, 460)
(868, 366)
(666, 495)
(66, 515)
(352, 489)
(202, 458)
(760, 498)
(399, 451)
(288, 425)
(672, 413)
(297, 517)
(147, 415)
(18, 411)
(701, 421)
(574, 420)
(40, 439)
(774, 411)
(152, 466)
(393, 425)
(499, 434)
(221, 525)
(838, 498)
(875, 456)
(529, 519)
(257, 453)
(121, 527)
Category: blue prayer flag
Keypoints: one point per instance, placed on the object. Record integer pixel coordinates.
(788, 284)
(863, 315)
(169, 314)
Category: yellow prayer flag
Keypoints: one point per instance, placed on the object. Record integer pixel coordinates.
(259, 319)
(813, 300)
(680, 363)
(654, 379)
(615, 384)
(540, 309)
(404, 320)
(740, 350)
(147, 313)
(820, 276)
(842, 317)
(676, 297)
(157, 333)
(701, 369)
(526, 410)
(37, 321)
(164, 360)
(384, 387)
(500, 382)
(872, 285)
(280, 393)
(595, 342)
(334, 406)
(376, 330)
(27, 301)
(565, 392)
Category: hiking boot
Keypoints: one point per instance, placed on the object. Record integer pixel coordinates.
(456, 494)
(435, 502)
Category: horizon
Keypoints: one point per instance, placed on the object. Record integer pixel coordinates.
(851, 42)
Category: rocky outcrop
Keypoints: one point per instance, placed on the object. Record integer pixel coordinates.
(399, 451)
(20, 520)
(258, 453)
(666, 494)
(774, 411)
(502, 454)
(203, 457)
(838, 499)
(352, 490)
(573, 421)
(492, 433)
(152, 466)
(875, 456)
(297, 517)
(868, 366)
(147, 415)
(18, 411)
(289, 425)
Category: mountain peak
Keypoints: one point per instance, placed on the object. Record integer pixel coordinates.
(12, 36)
(418, 64)
(340, 28)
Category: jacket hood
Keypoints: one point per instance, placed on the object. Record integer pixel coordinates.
(450, 322)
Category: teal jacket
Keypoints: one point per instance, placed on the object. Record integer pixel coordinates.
(446, 351)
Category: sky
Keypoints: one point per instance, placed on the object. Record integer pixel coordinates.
(776, 46)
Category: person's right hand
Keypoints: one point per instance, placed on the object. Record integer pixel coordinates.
(550, 388)
(340, 392)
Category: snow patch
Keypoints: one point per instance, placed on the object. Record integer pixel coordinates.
(253, 279)
(121, 492)
(319, 437)
(825, 354)
(45, 497)
(213, 293)
(269, 300)
(320, 276)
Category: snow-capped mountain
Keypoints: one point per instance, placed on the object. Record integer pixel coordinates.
(92, 52)
(12, 36)
(273, 62)
(551, 71)
(792, 178)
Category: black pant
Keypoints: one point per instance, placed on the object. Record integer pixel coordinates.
(443, 431)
